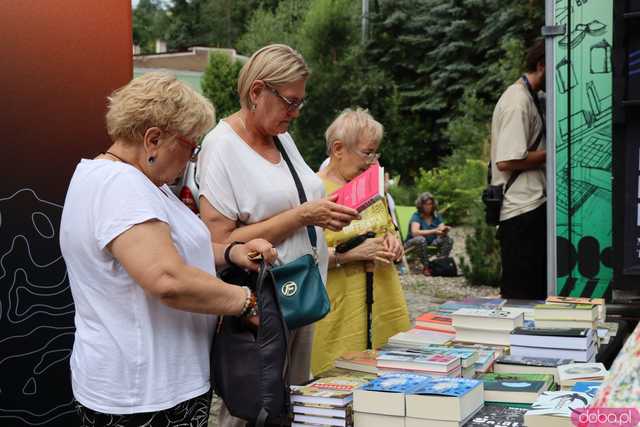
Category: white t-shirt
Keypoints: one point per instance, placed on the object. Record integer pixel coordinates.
(245, 187)
(514, 127)
(131, 352)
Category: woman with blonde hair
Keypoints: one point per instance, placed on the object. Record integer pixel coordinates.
(352, 141)
(246, 186)
(142, 268)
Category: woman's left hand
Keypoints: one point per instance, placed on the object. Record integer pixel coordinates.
(392, 244)
(248, 255)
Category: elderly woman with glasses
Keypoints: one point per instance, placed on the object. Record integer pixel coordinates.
(352, 141)
(246, 187)
(142, 268)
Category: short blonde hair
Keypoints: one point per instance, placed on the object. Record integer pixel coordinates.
(275, 64)
(157, 100)
(350, 125)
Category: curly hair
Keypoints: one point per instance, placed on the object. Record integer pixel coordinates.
(424, 197)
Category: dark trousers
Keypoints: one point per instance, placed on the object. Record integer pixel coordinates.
(191, 413)
(523, 241)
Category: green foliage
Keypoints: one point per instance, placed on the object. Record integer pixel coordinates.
(149, 23)
(219, 83)
(483, 250)
(270, 24)
(403, 195)
(456, 187)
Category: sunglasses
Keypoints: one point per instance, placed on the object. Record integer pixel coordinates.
(291, 105)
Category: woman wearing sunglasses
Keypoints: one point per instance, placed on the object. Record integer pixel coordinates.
(246, 188)
(141, 266)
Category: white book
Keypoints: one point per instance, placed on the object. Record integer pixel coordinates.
(423, 422)
(323, 421)
(482, 336)
(419, 337)
(573, 372)
(476, 318)
(364, 419)
(327, 411)
(575, 355)
(561, 324)
(580, 339)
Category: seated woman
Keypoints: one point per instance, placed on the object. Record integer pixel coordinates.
(142, 268)
(426, 228)
(352, 143)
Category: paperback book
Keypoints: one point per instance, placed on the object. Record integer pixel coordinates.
(363, 361)
(527, 364)
(415, 338)
(498, 416)
(385, 395)
(412, 360)
(567, 338)
(514, 388)
(363, 190)
(451, 399)
(553, 408)
(436, 322)
(335, 391)
(566, 311)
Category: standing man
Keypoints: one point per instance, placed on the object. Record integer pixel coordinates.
(518, 159)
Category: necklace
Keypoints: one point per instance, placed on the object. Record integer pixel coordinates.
(117, 157)
(242, 123)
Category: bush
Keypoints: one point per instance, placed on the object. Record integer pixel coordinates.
(456, 187)
(219, 84)
(483, 250)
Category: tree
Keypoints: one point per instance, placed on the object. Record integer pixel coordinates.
(219, 84)
(149, 22)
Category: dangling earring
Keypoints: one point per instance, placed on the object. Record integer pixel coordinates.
(151, 160)
(253, 108)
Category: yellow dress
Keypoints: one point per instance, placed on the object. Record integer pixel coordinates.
(344, 328)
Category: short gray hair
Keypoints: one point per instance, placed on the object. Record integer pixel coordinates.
(351, 125)
(424, 197)
(275, 64)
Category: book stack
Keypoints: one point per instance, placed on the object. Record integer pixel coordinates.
(512, 388)
(570, 343)
(526, 307)
(529, 365)
(416, 338)
(326, 401)
(554, 408)
(417, 362)
(565, 315)
(405, 400)
(572, 373)
(492, 415)
(485, 326)
(468, 357)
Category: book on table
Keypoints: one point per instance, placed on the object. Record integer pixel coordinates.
(528, 364)
(323, 421)
(416, 338)
(599, 302)
(482, 336)
(363, 190)
(412, 360)
(566, 311)
(335, 391)
(554, 408)
(514, 387)
(449, 399)
(472, 318)
(589, 387)
(366, 419)
(363, 361)
(559, 353)
(323, 410)
(422, 422)
(568, 338)
(435, 321)
(574, 372)
(561, 324)
(492, 415)
(385, 395)
(467, 356)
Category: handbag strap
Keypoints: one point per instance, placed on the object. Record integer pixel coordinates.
(311, 230)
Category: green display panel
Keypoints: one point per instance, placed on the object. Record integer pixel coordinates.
(583, 101)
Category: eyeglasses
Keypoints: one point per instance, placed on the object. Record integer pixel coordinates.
(369, 157)
(291, 105)
(195, 148)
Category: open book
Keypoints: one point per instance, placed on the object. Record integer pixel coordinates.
(363, 190)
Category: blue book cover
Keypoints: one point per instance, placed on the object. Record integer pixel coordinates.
(395, 383)
(588, 387)
(454, 387)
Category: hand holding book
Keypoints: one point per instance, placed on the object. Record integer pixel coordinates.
(326, 213)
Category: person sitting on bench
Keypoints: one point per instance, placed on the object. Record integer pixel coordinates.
(427, 230)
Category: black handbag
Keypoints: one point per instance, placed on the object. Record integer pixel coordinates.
(249, 369)
(299, 287)
(444, 266)
(493, 195)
